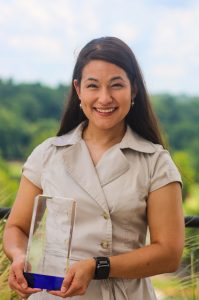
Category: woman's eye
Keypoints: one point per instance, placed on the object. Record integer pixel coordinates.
(92, 86)
(117, 85)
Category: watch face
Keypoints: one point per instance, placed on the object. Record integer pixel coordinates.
(103, 262)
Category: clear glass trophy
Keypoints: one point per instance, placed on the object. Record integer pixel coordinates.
(49, 244)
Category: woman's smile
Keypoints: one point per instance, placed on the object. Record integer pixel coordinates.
(105, 111)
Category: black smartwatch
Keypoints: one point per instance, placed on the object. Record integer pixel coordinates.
(102, 269)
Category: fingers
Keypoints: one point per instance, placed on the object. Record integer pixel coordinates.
(77, 279)
(70, 293)
(13, 282)
(20, 278)
(76, 288)
(19, 284)
(65, 285)
(67, 281)
(71, 286)
(16, 273)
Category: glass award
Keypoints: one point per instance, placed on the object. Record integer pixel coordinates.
(49, 244)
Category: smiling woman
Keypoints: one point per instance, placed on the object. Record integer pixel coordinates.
(105, 97)
(108, 155)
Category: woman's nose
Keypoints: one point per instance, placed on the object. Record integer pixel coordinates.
(105, 97)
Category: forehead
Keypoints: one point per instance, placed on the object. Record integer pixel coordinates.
(101, 68)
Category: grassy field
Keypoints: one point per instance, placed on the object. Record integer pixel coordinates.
(176, 286)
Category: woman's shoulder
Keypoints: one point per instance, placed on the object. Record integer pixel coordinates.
(43, 146)
(138, 143)
(70, 138)
(66, 139)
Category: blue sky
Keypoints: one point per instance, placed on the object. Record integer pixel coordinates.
(40, 39)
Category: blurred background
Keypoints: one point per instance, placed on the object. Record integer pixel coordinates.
(39, 43)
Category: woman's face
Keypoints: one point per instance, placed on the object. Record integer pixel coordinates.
(105, 94)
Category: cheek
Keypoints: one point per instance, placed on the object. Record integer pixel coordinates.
(124, 96)
(126, 102)
(87, 107)
(87, 100)
(86, 104)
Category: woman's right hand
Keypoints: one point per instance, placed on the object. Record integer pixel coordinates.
(16, 279)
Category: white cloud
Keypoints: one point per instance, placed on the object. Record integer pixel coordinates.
(176, 33)
(125, 31)
(173, 50)
(163, 36)
(38, 45)
(166, 77)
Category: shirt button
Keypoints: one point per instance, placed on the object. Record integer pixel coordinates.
(105, 215)
(104, 244)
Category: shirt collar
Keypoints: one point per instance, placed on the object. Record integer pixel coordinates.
(137, 143)
(70, 138)
(130, 140)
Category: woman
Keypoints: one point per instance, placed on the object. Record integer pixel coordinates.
(109, 156)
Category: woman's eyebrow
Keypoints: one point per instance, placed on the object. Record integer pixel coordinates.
(117, 78)
(112, 79)
(91, 79)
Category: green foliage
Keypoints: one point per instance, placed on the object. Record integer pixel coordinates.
(15, 135)
(40, 131)
(193, 149)
(8, 184)
(27, 110)
(32, 101)
(191, 206)
(179, 117)
(185, 164)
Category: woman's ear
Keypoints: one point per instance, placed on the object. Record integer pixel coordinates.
(134, 90)
(77, 87)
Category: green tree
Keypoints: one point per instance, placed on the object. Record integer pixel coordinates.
(184, 162)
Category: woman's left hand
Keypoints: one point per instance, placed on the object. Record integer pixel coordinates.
(77, 279)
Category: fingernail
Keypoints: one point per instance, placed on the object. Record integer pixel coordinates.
(23, 285)
(63, 289)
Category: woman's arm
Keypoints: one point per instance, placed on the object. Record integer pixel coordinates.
(16, 234)
(17, 226)
(166, 226)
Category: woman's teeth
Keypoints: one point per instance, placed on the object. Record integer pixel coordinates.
(107, 110)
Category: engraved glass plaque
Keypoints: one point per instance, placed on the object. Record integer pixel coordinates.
(49, 243)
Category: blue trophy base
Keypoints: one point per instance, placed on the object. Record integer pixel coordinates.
(45, 282)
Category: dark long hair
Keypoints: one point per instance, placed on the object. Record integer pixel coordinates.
(111, 49)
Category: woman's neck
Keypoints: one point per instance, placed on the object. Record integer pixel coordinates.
(106, 137)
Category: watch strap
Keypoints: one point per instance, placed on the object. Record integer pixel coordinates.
(102, 268)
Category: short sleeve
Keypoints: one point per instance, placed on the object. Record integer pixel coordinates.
(163, 170)
(33, 167)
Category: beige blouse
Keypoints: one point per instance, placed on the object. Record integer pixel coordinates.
(111, 200)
